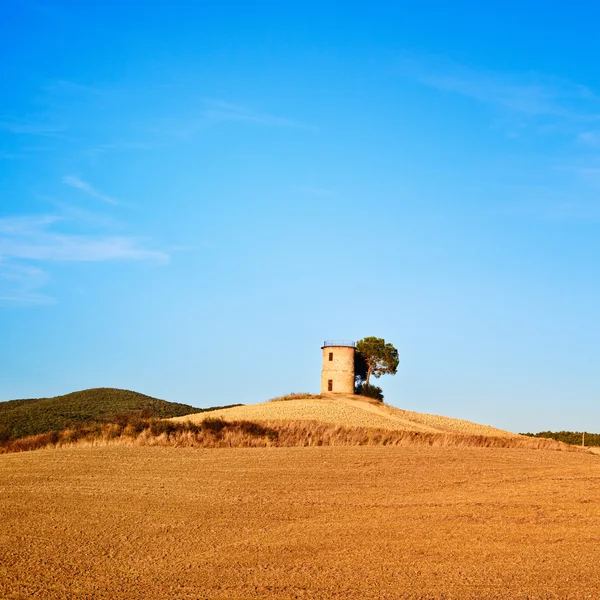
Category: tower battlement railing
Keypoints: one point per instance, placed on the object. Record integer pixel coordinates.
(345, 343)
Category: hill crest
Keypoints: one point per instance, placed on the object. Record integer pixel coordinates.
(348, 410)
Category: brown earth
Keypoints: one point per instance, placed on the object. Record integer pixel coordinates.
(331, 522)
(348, 411)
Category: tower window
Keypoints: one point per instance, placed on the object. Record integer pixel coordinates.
(331, 356)
(330, 385)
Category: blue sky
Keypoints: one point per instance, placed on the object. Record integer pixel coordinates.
(195, 195)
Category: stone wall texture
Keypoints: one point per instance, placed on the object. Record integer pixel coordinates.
(339, 370)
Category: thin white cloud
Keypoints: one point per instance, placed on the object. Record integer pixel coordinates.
(89, 189)
(73, 213)
(73, 248)
(216, 110)
(548, 204)
(123, 146)
(589, 138)
(30, 244)
(30, 127)
(582, 174)
(22, 225)
(530, 95)
(19, 284)
(33, 238)
(65, 86)
(71, 110)
(314, 191)
(527, 95)
(565, 191)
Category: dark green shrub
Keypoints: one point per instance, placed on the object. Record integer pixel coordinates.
(214, 425)
(257, 430)
(137, 425)
(159, 427)
(5, 434)
(370, 391)
(190, 426)
(569, 437)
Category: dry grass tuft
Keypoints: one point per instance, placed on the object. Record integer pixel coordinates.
(296, 396)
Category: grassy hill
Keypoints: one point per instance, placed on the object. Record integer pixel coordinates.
(19, 418)
(111, 416)
(348, 410)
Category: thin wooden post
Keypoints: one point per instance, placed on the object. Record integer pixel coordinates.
(583, 440)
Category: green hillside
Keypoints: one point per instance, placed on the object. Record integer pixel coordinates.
(19, 418)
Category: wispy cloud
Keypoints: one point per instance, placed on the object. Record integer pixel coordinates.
(214, 112)
(528, 95)
(93, 119)
(89, 189)
(76, 214)
(20, 284)
(582, 174)
(589, 138)
(549, 204)
(531, 94)
(314, 191)
(29, 244)
(561, 191)
(36, 238)
(30, 127)
(124, 146)
(8, 155)
(560, 181)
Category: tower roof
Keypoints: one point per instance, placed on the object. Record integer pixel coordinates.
(344, 343)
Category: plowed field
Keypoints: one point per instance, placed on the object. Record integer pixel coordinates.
(338, 522)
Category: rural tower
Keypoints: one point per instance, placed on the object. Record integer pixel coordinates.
(337, 376)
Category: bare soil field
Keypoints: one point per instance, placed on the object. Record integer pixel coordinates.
(328, 522)
(349, 411)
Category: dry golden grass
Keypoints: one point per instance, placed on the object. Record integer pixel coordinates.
(293, 420)
(348, 411)
(289, 434)
(407, 523)
(217, 433)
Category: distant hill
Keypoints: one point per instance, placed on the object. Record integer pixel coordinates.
(19, 418)
(569, 437)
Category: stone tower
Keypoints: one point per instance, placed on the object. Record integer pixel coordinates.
(337, 376)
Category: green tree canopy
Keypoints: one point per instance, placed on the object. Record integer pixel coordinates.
(373, 357)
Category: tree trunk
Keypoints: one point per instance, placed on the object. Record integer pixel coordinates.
(368, 376)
